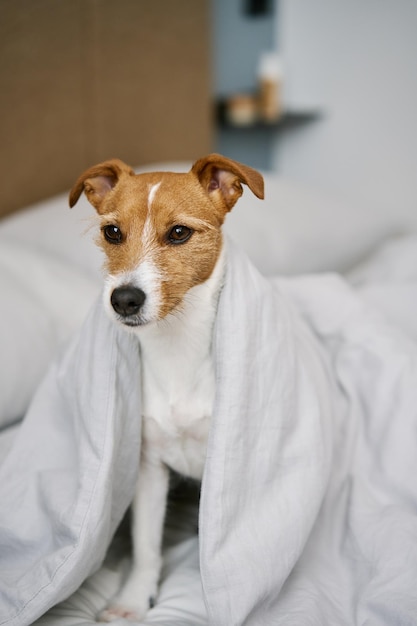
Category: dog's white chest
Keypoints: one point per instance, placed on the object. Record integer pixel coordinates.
(176, 419)
(178, 383)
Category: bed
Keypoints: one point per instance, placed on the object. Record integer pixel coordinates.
(322, 529)
(346, 551)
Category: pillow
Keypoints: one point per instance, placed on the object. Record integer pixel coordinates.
(49, 277)
(51, 226)
(395, 260)
(388, 281)
(44, 300)
(298, 229)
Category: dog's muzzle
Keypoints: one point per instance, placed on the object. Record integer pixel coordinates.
(127, 300)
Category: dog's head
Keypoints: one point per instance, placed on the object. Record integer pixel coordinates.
(161, 231)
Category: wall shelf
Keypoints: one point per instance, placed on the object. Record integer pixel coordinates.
(253, 143)
(289, 119)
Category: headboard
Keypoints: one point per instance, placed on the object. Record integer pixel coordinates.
(86, 80)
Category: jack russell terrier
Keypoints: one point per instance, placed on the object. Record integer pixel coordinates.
(165, 262)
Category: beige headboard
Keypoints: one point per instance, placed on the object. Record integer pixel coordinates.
(86, 80)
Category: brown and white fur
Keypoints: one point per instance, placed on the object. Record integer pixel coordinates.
(161, 234)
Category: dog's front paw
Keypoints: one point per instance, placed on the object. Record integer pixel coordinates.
(129, 613)
(132, 604)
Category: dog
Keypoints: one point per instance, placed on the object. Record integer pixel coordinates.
(161, 233)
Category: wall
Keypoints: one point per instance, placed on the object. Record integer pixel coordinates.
(357, 61)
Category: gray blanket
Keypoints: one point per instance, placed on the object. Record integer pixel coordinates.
(308, 499)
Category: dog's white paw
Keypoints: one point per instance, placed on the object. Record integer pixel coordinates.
(133, 603)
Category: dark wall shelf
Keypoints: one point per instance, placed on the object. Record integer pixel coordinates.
(289, 119)
(253, 143)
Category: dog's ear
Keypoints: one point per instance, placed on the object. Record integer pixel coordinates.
(98, 180)
(222, 179)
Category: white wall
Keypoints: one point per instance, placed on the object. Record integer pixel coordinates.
(357, 60)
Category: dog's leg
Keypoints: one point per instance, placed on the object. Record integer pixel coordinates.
(149, 507)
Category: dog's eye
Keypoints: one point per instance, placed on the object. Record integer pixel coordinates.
(112, 233)
(179, 234)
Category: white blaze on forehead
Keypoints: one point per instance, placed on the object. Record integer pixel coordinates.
(148, 233)
(152, 191)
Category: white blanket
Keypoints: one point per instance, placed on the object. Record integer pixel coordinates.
(308, 505)
(360, 563)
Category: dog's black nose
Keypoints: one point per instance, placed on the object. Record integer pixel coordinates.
(127, 300)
